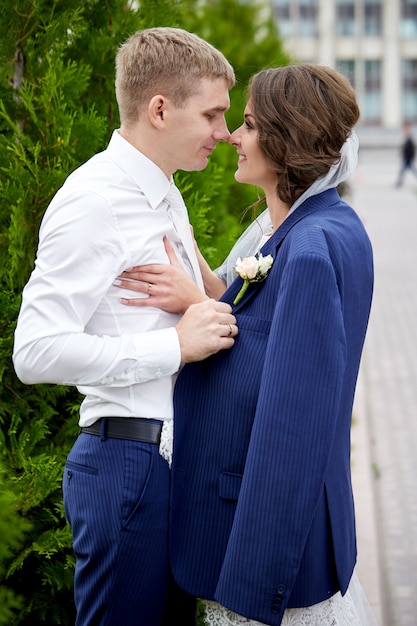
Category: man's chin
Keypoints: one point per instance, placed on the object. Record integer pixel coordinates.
(196, 167)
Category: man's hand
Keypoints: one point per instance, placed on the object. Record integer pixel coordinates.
(204, 329)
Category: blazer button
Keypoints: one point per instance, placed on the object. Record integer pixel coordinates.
(277, 599)
(276, 606)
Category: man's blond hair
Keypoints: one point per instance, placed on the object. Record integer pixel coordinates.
(166, 61)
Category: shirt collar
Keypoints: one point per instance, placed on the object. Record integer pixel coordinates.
(148, 176)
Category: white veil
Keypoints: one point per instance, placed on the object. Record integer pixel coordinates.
(248, 242)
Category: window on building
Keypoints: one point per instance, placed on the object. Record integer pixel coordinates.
(282, 15)
(408, 19)
(296, 17)
(347, 68)
(372, 104)
(409, 88)
(307, 22)
(345, 18)
(372, 25)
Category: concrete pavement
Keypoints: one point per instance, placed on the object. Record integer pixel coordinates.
(384, 432)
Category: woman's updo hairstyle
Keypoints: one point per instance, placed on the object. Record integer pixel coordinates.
(304, 114)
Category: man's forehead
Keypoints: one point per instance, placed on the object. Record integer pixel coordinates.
(214, 91)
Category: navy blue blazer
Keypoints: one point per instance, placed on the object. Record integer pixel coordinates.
(262, 513)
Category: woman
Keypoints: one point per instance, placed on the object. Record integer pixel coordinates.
(262, 517)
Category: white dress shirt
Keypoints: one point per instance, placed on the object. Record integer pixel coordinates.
(109, 215)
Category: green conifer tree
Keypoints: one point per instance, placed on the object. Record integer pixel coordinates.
(57, 108)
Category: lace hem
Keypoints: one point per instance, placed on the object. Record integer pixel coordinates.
(167, 439)
(352, 609)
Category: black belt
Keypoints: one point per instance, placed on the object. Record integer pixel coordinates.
(134, 428)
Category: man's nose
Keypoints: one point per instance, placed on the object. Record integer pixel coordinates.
(222, 133)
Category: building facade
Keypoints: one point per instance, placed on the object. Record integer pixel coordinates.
(372, 42)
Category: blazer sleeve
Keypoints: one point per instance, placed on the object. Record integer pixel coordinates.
(291, 439)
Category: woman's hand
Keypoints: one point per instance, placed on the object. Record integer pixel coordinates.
(167, 287)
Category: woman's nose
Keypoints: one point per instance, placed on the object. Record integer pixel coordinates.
(234, 138)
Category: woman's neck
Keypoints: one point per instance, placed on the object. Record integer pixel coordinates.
(278, 210)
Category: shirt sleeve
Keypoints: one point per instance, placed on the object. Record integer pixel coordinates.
(80, 253)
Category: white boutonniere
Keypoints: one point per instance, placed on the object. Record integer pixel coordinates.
(252, 269)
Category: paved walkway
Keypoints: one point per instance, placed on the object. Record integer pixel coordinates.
(384, 434)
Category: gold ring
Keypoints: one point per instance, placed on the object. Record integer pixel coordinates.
(149, 289)
(230, 330)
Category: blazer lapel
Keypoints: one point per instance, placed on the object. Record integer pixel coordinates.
(275, 241)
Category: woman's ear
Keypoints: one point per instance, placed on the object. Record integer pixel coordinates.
(156, 111)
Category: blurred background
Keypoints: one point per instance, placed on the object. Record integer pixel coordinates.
(372, 42)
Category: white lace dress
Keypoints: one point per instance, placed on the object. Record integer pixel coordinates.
(167, 439)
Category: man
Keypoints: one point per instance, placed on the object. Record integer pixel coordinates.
(111, 214)
(408, 153)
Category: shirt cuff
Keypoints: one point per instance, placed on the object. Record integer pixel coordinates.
(158, 354)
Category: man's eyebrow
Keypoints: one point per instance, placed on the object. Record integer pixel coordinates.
(217, 109)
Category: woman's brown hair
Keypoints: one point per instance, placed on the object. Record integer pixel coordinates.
(304, 114)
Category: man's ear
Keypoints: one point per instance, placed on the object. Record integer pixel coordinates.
(156, 110)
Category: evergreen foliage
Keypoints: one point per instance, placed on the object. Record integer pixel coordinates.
(58, 108)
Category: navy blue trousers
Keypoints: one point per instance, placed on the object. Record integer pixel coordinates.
(116, 499)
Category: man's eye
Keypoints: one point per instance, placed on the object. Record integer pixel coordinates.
(210, 116)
